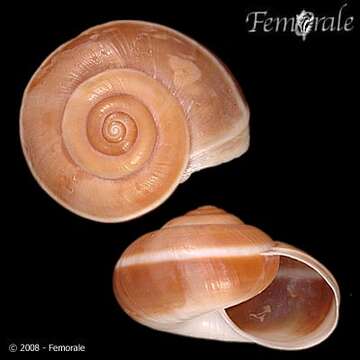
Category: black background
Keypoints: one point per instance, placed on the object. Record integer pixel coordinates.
(297, 182)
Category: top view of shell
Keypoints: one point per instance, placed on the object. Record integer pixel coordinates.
(113, 120)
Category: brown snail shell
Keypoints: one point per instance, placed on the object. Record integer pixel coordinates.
(113, 120)
(207, 274)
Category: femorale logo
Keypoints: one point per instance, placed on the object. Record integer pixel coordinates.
(301, 24)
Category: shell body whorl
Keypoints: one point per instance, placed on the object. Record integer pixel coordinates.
(206, 264)
(116, 118)
(207, 274)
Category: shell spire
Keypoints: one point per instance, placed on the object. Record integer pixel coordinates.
(115, 119)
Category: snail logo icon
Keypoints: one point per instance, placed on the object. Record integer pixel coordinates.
(304, 23)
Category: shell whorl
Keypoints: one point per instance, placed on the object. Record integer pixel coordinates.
(207, 274)
(116, 118)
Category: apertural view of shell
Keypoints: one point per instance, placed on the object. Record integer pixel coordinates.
(115, 119)
(207, 274)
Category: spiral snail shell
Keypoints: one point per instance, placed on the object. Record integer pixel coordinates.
(207, 274)
(113, 120)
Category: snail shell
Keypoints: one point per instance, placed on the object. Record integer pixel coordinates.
(115, 119)
(207, 274)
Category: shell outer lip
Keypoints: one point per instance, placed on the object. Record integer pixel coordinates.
(283, 249)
